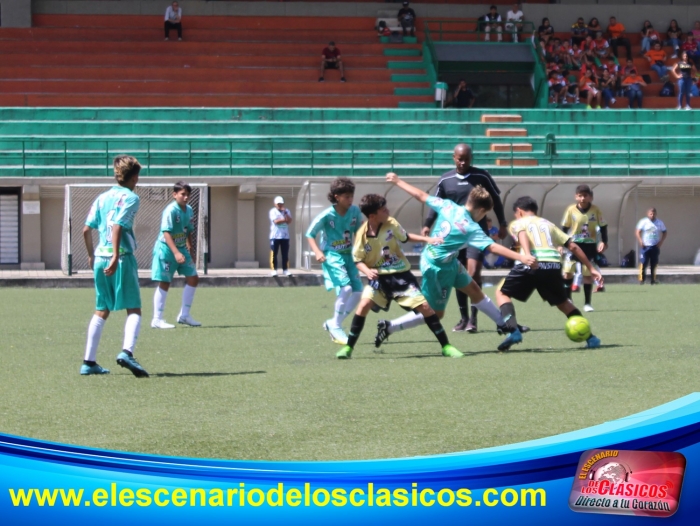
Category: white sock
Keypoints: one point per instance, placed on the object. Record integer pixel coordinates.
(159, 303)
(131, 332)
(350, 305)
(407, 321)
(93, 337)
(187, 299)
(487, 307)
(341, 304)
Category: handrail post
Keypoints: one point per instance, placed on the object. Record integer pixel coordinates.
(629, 158)
(189, 158)
(24, 159)
(65, 158)
(352, 158)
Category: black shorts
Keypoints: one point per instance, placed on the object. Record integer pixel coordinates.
(547, 280)
(590, 249)
(470, 253)
(330, 65)
(401, 287)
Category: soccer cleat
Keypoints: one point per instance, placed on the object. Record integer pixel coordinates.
(273, 273)
(124, 359)
(592, 342)
(337, 334)
(342, 79)
(187, 320)
(450, 351)
(345, 353)
(523, 329)
(461, 326)
(93, 369)
(321, 79)
(471, 327)
(588, 308)
(575, 288)
(287, 273)
(161, 324)
(513, 338)
(382, 332)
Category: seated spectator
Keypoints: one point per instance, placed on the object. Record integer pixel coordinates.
(572, 89)
(607, 88)
(330, 59)
(463, 96)
(685, 72)
(557, 87)
(616, 31)
(545, 31)
(407, 19)
(632, 84)
(579, 31)
(492, 22)
(588, 55)
(674, 35)
(649, 36)
(588, 85)
(576, 57)
(602, 48)
(696, 31)
(657, 60)
(594, 27)
(514, 21)
(173, 20)
(690, 46)
(553, 51)
(383, 30)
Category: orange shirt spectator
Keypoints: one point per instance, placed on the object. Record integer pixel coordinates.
(616, 30)
(655, 55)
(633, 78)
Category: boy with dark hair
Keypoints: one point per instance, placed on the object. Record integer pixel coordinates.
(442, 271)
(114, 265)
(171, 253)
(541, 239)
(582, 220)
(335, 227)
(378, 256)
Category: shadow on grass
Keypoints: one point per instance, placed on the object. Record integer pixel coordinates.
(545, 351)
(627, 310)
(178, 375)
(227, 326)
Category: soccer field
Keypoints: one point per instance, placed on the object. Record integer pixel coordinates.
(260, 380)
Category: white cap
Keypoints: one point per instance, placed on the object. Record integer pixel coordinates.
(279, 200)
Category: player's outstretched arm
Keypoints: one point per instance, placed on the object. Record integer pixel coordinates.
(87, 237)
(528, 259)
(415, 238)
(576, 251)
(419, 194)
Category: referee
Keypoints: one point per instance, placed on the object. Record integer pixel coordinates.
(456, 185)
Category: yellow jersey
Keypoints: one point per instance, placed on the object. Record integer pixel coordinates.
(383, 251)
(583, 226)
(543, 235)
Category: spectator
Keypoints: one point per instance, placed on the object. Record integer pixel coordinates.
(557, 87)
(492, 21)
(607, 88)
(463, 96)
(578, 31)
(588, 56)
(576, 57)
(545, 31)
(407, 19)
(173, 20)
(383, 30)
(280, 218)
(690, 46)
(647, 233)
(633, 84)
(594, 27)
(616, 30)
(331, 59)
(649, 36)
(696, 31)
(657, 61)
(514, 21)
(572, 91)
(602, 48)
(685, 72)
(588, 85)
(675, 35)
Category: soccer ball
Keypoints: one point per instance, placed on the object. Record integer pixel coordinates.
(578, 329)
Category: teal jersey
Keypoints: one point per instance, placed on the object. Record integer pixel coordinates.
(117, 206)
(454, 224)
(179, 222)
(336, 231)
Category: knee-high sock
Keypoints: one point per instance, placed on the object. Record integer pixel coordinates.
(131, 332)
(358, 323)
(573, 313)
(187, 299)
(587, 292)
(407, 321)
(438, 330)
(508, 312)
(567, 286)
(350, 305)
(93, 337)
(159, 303)
(487, 307)
(463, 302)
(475, 310)
(341, 305)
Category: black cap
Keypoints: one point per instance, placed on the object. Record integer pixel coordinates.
(405, 3)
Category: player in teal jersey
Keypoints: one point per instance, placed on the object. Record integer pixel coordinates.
(114, 265)
(457, 226)
(172, 253)
(336, 227)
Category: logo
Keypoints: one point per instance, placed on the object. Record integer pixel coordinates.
(332, 223)
(177, 218)
(389, 235)
(353, 222)
(166, 266)
(618, 482)
(368, 248)
(444, 229)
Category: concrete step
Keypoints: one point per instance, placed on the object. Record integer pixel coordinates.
(501, 118)
(519, 147)
(516, 162)
(505, 132)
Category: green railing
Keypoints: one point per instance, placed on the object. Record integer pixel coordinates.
(461, 30)
(365, 156)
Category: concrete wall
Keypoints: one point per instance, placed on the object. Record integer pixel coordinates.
(51, 230)
(222, 221)
(16, 13)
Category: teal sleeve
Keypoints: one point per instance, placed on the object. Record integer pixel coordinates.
(166, 223)
(316, 226)
(93, 217)
(126, 215)
(477, 237)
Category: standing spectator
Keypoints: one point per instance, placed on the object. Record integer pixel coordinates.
(579, 31)
(545, 31)
(173, 20)
(649, 36)
(657, 60)
(463, 96)
(280, 219)
(514, 21)
(647, 233)
(330, 59)
(685, 72)
(633, 84)
(674, 34)
(493, 22)
(616, 30)
(407, 19)
(594, 27)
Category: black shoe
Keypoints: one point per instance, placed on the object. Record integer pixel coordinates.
(641, 282)
(321, 79)
(523, 328)
(382, 332)
(342, 79)
(471, 327)
(461, 326)
(654, 282)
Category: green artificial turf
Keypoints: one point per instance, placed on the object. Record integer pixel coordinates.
(260, 381)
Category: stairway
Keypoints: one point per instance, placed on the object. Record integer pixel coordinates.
(509, 133)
